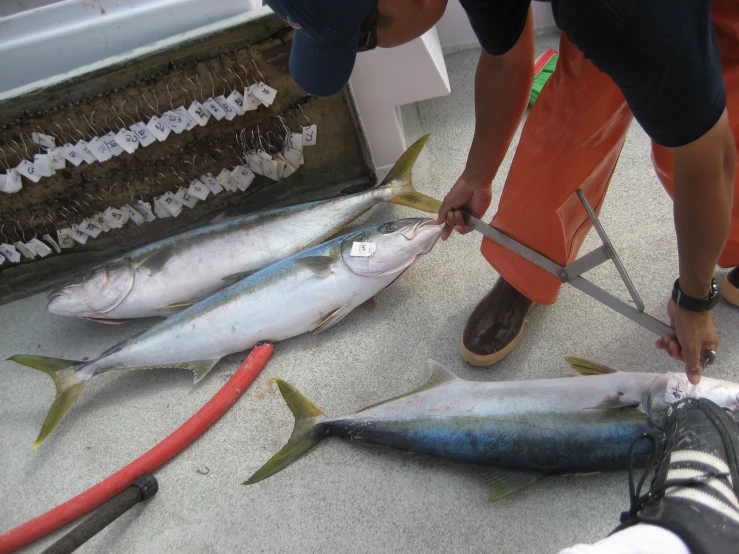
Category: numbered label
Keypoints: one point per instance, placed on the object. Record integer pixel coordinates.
(363, 249)
(158, 129)
(265, 93)
(9, 251)
(214, 109)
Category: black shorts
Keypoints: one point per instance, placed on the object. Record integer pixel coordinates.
(662, 54)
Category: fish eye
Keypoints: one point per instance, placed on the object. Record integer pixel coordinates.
(388, 228)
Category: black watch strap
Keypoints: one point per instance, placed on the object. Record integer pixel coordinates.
(686, 302)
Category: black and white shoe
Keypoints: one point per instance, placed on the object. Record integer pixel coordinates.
(695, 490)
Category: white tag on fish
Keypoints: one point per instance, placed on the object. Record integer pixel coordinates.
(11, 182)
(90, 228)
(363, 249)
(295, 141)
(115, 218)
(214, 109)
(287, 169)
(145, 209)
(243, 176)
(9, 251)
(69, 153)
(227, 108)
(160, 208)
(236, 100)
(43, 140)
(142, 133)
(78, 235)
(173, 121)
(198, 113)
(64, 238)
(56, 160)
(265, 93)
(42, 163)
(28, 170)
(185, 198)
(226, 180)
(310, 135)
(135, 216)
(294, 157)
(83, 150)
(54, 245)
(25, 250)
(99, 149)
(113, 145)
(211, 183)
(98, 220)
(198, 190)
(255, 163)
(158, 129)
(273, 169)
(39, 247)
(678, 387)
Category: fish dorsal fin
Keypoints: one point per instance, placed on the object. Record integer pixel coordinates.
(588, 367)
(323, 266)
(507, 481)
(234, 277)
(439, 376)
(331, 319)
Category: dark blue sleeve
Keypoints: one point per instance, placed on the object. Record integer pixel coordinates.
(498, 24)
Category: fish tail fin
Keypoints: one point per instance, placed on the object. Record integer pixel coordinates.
(399, 181)
(68, 385)
(306, 433)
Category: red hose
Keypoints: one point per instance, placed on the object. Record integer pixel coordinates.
(147, 463)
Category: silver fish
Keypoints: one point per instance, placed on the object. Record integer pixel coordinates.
(311, 291)
(520, 431)
(162, 278)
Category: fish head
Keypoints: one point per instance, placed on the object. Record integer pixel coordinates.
(95, 293)
(397, 244)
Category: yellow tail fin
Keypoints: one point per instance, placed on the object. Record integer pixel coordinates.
(399, 179)
(68, 387)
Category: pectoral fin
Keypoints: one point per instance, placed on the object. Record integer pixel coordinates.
(231, 279)
(615, 402)
(331, 319)
(154, 263)
(588, 367)
(506, 481)
(323, 266)
(180, 305)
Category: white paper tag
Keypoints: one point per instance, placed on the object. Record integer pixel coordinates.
(39, 247)
(242, 176)
(56, 160)
(71, 155)
(211, 183)
(363, 249)
(287, 168)
(226, 181)
(128, 140)
(185, 198)
(11, 182)
(678, 387)
(113, 145)
(198, 190)
(173, 205)
(9, 251)
(135, 216)
(310, 134)
(174, 121)
(189, 121)
(84, 151)
(236, 100)
(227, 108)
(100, 149)
(78, 235)
(160, 208)
(198, 113)
(98, 220)
(54, 245)
(214, 109)
(294, 157)
(273, 169)
(28, 170)
(42, 163)
(295, 141)
(23, 249)
(157, 128)
(255, 163)
(143, 134)
(43, 140)
(90, 228)
(2, 259)
(64, 238)
(115, 218)
(265, 93)
(251, 102)
(144, 209)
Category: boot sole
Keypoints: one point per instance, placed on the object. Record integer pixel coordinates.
(729, 292)
(486, 360)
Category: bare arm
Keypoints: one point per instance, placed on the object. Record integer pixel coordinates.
(502, 88)
(704, 187)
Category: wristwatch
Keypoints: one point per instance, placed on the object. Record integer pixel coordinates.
(695, 304)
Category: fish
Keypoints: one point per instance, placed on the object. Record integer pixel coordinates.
(309, 292)
(514, 432)
(166, 276)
